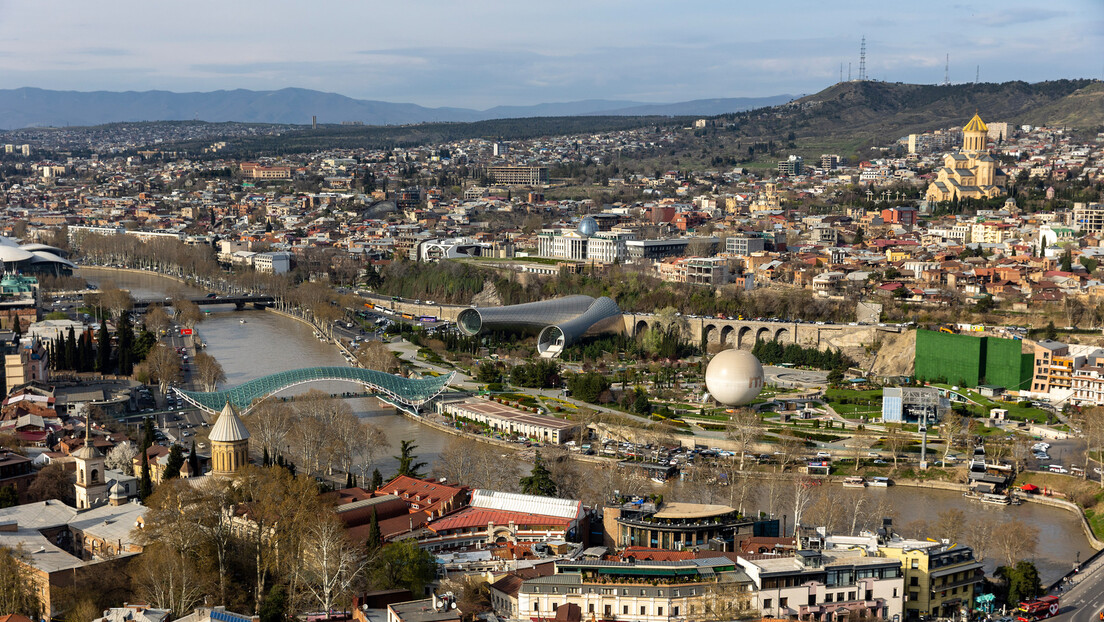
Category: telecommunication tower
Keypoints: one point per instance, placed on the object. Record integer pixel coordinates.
(862, 60)
(977, 75)
(947, 72)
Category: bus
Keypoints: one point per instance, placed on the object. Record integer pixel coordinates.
(396, 299)
(1038, 609)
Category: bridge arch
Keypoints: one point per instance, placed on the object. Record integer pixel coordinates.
(710, 333)
(727, 334)
(641, 327)
(405, 393)
(781, 334)
(743, 338)
(763, 334)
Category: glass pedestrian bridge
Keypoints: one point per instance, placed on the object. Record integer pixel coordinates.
(404, 393)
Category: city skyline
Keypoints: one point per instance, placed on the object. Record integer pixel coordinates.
(495, 53)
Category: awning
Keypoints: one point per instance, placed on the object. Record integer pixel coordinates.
(1029, 488)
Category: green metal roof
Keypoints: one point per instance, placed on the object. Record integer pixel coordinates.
(405, 393)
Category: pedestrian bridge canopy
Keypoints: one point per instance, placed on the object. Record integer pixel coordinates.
(405, 393)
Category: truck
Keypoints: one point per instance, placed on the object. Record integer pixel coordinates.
(1038, 609)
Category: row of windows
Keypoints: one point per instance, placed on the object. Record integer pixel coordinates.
(608, 609)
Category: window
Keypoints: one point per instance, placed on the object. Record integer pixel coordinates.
(659, 611)
(766, 604)
(914, 596)
(555, 606)
(850, 596)
(783, 602)
(895, 592)
(641, 592)
(869, 595)
(536, 606)
(675, 611)
(609, 610)
(590, 608)
(643, 610)
(914, 581)
(828, 597)
(625, 610)
(915, 564)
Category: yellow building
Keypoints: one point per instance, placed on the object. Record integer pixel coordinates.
(970, 173)
(940, 579)
(229, 443)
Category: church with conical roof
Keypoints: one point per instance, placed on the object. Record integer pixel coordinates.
(970, 173)
(229, 443)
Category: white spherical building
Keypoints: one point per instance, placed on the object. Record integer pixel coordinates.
(734, 377)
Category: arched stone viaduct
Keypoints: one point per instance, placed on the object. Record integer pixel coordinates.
(736, 333)
(743, 334)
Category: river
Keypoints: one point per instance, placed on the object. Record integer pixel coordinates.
(269, 343)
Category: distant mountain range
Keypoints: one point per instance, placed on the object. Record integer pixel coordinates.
(32, 107)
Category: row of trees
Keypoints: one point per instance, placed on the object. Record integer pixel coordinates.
(774, 353)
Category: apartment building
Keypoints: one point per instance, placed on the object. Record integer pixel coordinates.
(823, 585)
(1054, 367)
(745, 245)
(1089, 217)
(642, 591)
(940, 578)
(518, 175)
(711, 271)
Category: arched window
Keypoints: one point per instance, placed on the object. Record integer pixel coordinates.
(94, 475)
(81, 476)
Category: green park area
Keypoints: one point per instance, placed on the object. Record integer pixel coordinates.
(1017, 411)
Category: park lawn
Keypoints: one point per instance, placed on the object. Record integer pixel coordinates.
(1015, 411)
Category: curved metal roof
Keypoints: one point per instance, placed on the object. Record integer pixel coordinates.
(406, 393)
(14, 253)
(530, 315)
(600, 315)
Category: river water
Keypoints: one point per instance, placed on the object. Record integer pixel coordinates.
(267, 343)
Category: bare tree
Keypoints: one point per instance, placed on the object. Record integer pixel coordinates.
(167, 579)
(187, 312)
(801, 492)
(331, 564)
(895, 441)
(744, 429)
(470, 463)
(1015, 540)
(163, 364)
(209, 371)
(979, 533)
(157, 319)
(268, 425)
(376, 355)
(788, 448)
(121, 457)
(951, 428)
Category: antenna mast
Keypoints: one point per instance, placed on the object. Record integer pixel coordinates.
(977, 75)
(848, 72)
(947, 72)
(841, 72)
(862, 59)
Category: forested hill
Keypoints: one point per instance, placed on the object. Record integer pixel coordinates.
(883, 111)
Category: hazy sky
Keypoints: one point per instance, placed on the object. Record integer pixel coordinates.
(481, 53)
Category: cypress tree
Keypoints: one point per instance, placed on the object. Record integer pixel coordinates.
(85, 350)
(145, 486)
(375, 538)
(377, 480)
(103, 348)
(147, 434)
(126, 344)
(348, 480)
(173, 464)
(71, 359)
(265, 460)
(193, 460)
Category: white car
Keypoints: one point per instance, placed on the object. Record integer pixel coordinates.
(823, 454)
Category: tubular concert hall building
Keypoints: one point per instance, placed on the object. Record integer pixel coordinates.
(559, 322)
(33, 259)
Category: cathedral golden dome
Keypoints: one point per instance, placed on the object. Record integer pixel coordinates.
(976, 125)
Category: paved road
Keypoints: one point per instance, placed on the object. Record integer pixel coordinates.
(794, 378)
(1084, 601)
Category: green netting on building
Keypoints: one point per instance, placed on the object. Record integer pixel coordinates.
(957, 359)
(1006, 365)
(968, 361)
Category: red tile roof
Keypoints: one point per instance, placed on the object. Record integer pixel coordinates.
(476, 517)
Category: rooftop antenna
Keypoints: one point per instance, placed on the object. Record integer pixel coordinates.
(947, 72)
(862, 59)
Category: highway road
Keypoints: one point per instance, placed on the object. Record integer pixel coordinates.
(1083, 601)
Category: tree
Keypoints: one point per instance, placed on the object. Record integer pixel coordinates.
(375, 538)
(17, 584)
(125, 333)
(377, 480)
(1051, 331)
(52, 482)
(895, 441)
(187, 312)
(744, 429)
(145, 483)
(376, 355)
(467, 462)
(173, 464)
(9, 496)
(539, 481)
(121, 457)
(1015, 541)
(193, 460)
(208, 371)
(163, 364)
(274, 607)
(168, 579)
(403, 565)
(408, 464)
(331, 564)
(1023, 581)
(157, 319)
(103, 348)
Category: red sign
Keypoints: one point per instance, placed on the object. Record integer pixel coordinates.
(185, 331)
